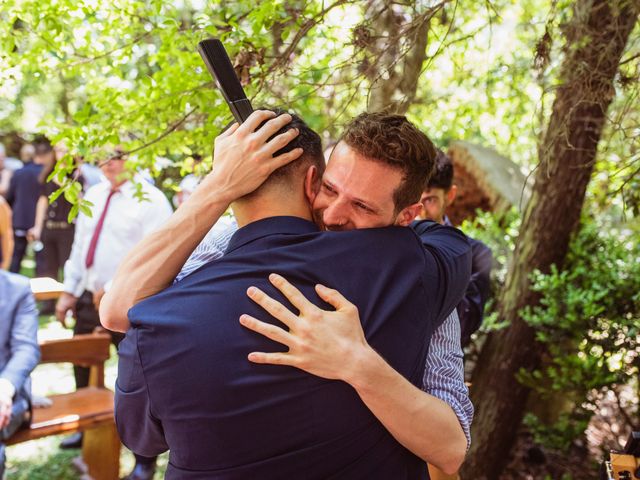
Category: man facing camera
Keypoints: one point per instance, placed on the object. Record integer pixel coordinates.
(439, 193)
(183, 371)
(19, 354)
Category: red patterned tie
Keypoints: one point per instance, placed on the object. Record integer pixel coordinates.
(96, 233)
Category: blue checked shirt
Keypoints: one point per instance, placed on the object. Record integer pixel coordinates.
(444, 372)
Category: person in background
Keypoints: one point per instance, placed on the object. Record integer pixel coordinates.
(24, 190)
(189, 183)
(19, 354)
(119, 221)
(27, 153)
(6, 235)
(90, 174)
(52, 227)
(439, 193)
(8, 165)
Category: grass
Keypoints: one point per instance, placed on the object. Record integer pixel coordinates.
(42, 459)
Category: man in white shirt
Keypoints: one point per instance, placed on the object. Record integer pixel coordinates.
(120, 220)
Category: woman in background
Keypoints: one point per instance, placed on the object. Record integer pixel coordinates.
(52, 227)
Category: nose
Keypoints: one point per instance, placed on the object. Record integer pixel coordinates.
(335, 216)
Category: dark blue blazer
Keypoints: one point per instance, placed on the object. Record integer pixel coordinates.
(23, 194)
(185, 384)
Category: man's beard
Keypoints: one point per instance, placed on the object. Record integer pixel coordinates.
(318, 220)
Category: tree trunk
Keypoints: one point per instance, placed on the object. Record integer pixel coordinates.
(396, 49)
(595, 41)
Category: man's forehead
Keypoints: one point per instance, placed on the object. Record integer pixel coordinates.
(361, 178)
(434, 191)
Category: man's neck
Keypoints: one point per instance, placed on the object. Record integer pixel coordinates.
(264, 206)
(117, 184)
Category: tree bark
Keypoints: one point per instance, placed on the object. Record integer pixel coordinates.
(596, 39)
(396, 53)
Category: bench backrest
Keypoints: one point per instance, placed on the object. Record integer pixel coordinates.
(90, 350)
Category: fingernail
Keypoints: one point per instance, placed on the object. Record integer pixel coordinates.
(252, 291)
(243, 319)
(274, 277)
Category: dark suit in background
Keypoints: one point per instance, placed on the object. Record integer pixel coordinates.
(23, 194)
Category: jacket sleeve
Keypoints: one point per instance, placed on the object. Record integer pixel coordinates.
(471, 308)
(444, 372)
(23, 339)
(11, 192)
(448, 257)
(139, 429)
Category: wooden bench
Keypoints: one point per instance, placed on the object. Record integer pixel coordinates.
(88, 410)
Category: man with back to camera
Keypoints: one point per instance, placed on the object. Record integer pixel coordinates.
(143, 315)
(24, 189)
(439, 193)
(154, 264)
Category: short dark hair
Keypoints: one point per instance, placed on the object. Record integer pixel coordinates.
(307, 139)
(394, 141)
(42, 145)
(443, 173)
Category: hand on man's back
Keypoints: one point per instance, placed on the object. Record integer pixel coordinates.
(318, 340)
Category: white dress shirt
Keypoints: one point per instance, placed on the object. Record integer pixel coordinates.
(127, 221)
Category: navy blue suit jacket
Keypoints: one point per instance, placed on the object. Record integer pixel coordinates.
(185, 384)
(23, 194)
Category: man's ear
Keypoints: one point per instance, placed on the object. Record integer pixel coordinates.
(408, 214)
(450, 196)
(311, 184)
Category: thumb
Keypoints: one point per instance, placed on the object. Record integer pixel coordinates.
(333, 297)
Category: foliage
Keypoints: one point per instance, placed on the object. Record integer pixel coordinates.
(588, 319)
(127, 72)
(499, 233)
(56, 466)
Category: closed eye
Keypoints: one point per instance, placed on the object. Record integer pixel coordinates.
(328, 187)
(364, 207)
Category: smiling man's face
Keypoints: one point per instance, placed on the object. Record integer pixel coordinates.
(357, 192)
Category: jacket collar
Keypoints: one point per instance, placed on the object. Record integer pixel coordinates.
(270, 226)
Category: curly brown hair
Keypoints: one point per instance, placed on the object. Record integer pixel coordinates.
(394, 141)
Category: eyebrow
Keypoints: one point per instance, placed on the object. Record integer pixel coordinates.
(367, 203)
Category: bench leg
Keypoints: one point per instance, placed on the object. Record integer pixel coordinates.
(101, 452)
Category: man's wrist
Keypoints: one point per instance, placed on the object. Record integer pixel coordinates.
(362, 368)
(214, 192)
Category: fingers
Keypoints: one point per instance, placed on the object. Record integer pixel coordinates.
(254, 121)
(282, 160)
(269, 129)
(272, 358)
(272, 332)
(282, 140)
(229, 131)
(294, 295)
(275, 308)
(335, 298)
